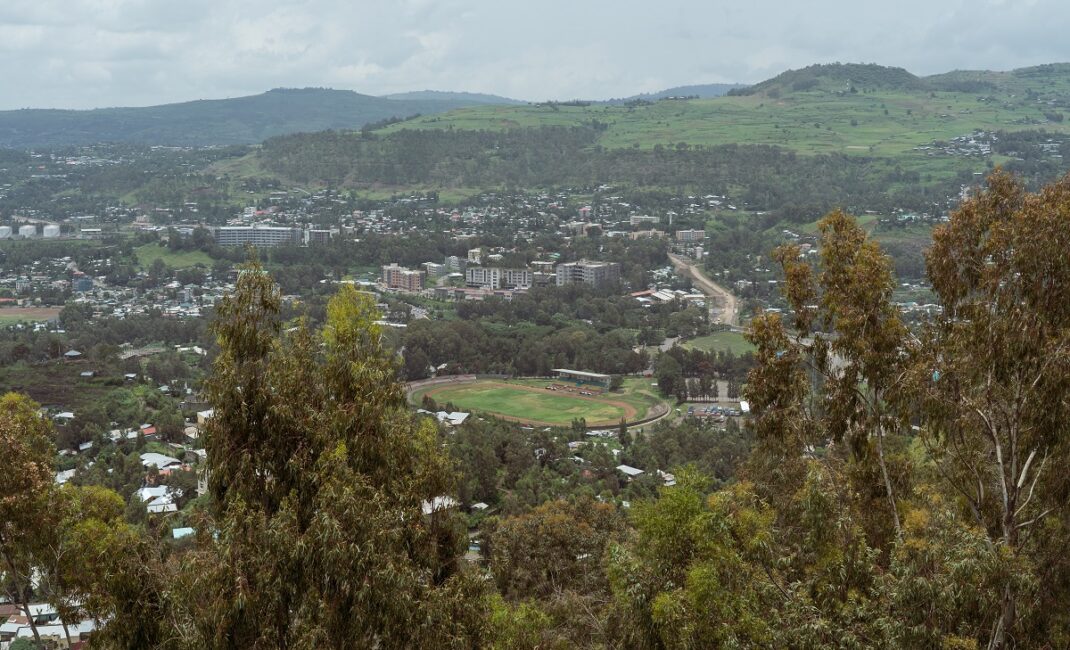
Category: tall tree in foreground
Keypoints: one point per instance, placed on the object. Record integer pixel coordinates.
(319, 534)
(835, 372)
(26, 493)
(993, 381)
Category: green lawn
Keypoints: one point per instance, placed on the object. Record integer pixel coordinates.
(731, 341)
(635, 392)
(516, 400)
(149, 253)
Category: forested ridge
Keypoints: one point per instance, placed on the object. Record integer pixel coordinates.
(769, 177)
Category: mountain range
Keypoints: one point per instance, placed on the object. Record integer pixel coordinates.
(282, 111)
(241, 120)
(250, 119)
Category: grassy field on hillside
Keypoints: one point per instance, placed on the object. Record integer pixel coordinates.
(883, 123)
(149, 253)
(866, 136)
(56, 383)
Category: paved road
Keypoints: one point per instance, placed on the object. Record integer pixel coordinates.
(718, 295)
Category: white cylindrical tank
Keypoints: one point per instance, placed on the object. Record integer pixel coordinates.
(29, 230)
(51, 231)
(5, 232)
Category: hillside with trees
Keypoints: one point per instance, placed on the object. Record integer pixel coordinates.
(864, 137)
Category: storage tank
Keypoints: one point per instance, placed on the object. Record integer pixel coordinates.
(51, 231)
(5, 232)
(29, 230)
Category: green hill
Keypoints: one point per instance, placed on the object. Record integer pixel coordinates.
(863, 136)
(241, 120)
(836, 77)
(890, 112)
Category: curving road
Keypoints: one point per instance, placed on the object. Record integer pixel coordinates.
(718, 295)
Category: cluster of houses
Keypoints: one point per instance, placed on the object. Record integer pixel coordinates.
(157, 497)
(976, 144)
(664, 296)
(42, 620)
(172, 299)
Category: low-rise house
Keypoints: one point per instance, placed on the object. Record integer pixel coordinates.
(158, 499)
(159, 461)
(438, 504)
(454, 418)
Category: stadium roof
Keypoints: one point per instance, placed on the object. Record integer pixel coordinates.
(581, 373)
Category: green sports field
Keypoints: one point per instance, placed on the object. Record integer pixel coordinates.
(529, 401)
(731, 341)
(149, 253)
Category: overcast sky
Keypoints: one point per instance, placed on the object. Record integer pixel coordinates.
(91, 53)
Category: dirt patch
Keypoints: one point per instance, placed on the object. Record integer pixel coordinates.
(717, 294)
(28, 313)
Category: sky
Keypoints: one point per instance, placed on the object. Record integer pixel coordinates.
(96, 53)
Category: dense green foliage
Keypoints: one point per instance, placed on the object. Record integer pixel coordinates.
(772, 178)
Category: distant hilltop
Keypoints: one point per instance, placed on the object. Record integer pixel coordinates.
(283, 111)
(863, 77)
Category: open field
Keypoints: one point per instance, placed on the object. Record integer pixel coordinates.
(57, 383)
(731, 341)
(529, 401)
(12, 315)
(149, 253)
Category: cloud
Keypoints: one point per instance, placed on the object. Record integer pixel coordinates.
(86, 53)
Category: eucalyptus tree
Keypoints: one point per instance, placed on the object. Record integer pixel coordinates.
(838, 367)
(27, 488)
(992, 382)
(325, 527)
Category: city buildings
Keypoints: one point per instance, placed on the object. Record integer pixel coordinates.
(588, 272)
(435, 270)
(314, 236)
(456, 264)
(399, 277)
(262, 236)
(690, 235)
(496, 278)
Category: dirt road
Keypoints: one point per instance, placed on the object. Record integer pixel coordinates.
(719, 296)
